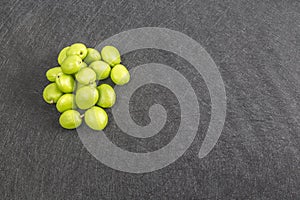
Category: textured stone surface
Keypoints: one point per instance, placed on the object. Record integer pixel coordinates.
(255, 44)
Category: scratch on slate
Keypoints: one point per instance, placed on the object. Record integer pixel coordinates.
(216, 23)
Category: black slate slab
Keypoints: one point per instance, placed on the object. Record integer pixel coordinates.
(255, 45)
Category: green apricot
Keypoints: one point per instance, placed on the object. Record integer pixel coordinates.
(70, 119)
(66, 102)
(86, 76)
(102, 69)
(86, 97)
(92, 55)
(83, 65)
(78, 49)
(51, 93)
(120, 75)
(52, 73)
(71, 64)
(62, 55)
(107, 96)
(80, 85)
(65, 83)
(96, 118)
(111, 55)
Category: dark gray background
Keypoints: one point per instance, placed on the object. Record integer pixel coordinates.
(255, 45)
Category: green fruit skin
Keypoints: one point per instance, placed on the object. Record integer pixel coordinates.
(92, 55)
(107, 96)
(86, 76)
(80, 85)
(62, 55)
(66, 102)
(52, 73)
(70, 119)
(65, 83)
(71, 64)
(102, 69)
(120, 75)
(111, 55)
(86, 97)
(78, 49)
(51, 93)
(83, 65)
(96, 118)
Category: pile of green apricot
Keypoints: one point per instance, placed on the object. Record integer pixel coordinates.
(76, 86)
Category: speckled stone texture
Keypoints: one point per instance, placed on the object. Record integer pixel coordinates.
(255, 45)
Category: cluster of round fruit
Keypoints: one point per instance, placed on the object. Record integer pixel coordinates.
(75, 84)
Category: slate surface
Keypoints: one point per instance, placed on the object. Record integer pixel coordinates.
(255, 45)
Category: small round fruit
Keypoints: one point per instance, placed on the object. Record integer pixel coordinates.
(65, 83)
(102, 69)
(52, 73)
(92, 55)
(80, 85)
(78, 49)
(96, 118)
(51, 93)
(66, 102)
(86, 76)
(70, 119)
(119, 75)
(83, 65)
(71, 64)
(111, 55)
(107, 96)
(62, 55)
(86, 97)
